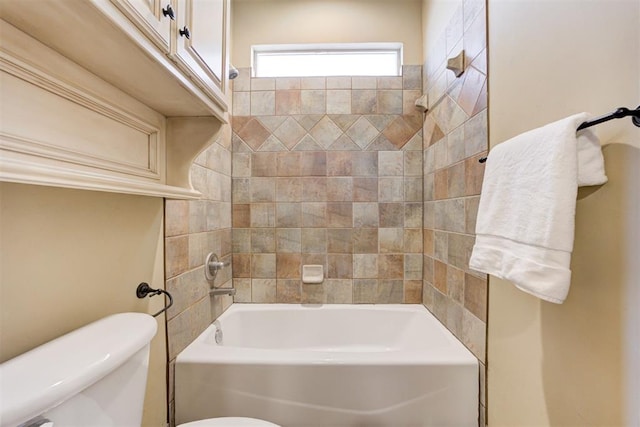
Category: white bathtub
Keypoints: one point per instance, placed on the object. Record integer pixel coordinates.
(329, 365)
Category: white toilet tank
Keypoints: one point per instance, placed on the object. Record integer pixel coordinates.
(93, 376)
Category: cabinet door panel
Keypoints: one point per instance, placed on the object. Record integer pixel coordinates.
(203, 54)
(147, 15)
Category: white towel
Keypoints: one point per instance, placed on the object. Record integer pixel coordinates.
(526, 216)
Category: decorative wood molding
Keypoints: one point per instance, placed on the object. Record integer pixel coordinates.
(40, 78)
(37, 173)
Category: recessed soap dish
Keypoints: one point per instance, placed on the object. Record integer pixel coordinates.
(312, 273)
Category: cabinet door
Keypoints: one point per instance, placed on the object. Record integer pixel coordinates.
(153, 17)
(201, 43)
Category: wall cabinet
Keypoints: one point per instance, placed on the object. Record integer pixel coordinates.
(106, 95)
(200, 42)
(153, 17)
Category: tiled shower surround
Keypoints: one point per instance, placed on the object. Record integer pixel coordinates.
(193, 229)
(455, 137)
(327, 171)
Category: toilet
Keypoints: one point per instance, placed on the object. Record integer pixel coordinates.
(93, 376)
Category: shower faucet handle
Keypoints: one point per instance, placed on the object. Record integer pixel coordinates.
(212, 265)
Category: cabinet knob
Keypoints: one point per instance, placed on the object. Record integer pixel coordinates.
(185, 32)
(168, 11)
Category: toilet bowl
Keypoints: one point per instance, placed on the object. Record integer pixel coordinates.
(229, 422)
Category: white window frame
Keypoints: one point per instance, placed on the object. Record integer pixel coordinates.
(319, 49)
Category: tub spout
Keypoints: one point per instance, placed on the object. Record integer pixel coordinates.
(223, 291)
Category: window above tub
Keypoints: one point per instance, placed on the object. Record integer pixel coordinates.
(341, 59)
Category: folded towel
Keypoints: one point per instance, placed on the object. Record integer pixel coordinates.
(525, 225)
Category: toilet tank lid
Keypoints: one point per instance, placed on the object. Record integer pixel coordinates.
(48, 375)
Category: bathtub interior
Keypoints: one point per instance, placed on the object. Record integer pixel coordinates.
(330, 328)
(329, 366)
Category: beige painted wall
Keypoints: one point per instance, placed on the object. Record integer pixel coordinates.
(325, 21)
(570, 364)
(69, 257)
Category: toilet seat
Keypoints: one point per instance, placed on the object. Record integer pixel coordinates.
(229, 422)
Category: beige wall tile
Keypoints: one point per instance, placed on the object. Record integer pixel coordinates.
(391, 266)
(411, 77)
(288, 291)
(287, 102)
(475, 296)
(314, 214)
(288, 164)
(365, 215)
(339, 189)
(339, 163)
(390, 189)
(313, 83)
(263, 103)
(313, 102)
(241, 240)
(365, 291)
(314, 163)
(391, 240)
(263, 266)
(339, 291)
(176, 217)
(365, 189)
(288, 215)
(314, 189)
(389, 102)
(364, 101)
(363, 82)
(288, 240)
(338, 82)
(286, 83)
(263, 83)
(314, 240)
(412, 292)
(413, 215)
(243, 290)
(288, 189)
(391, 214)
(390, 291)
(263, 190)
(340, 266)
(339, 214)
(339, 240)
(241, 265)
(365, 240)
(474, 335)
(263, 290)
(176, 255)
(365, 266)
(413, 267)
(241, 104)
(389, 82)
(263, 240)
(338, 101)
(413, 240)
(288, 266)
(390, 163)
(254, 134)
(186, 289)
(290, 132)
(186, 326)
(263, 215)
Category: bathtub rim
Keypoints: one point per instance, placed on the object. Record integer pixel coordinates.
(200, 350)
